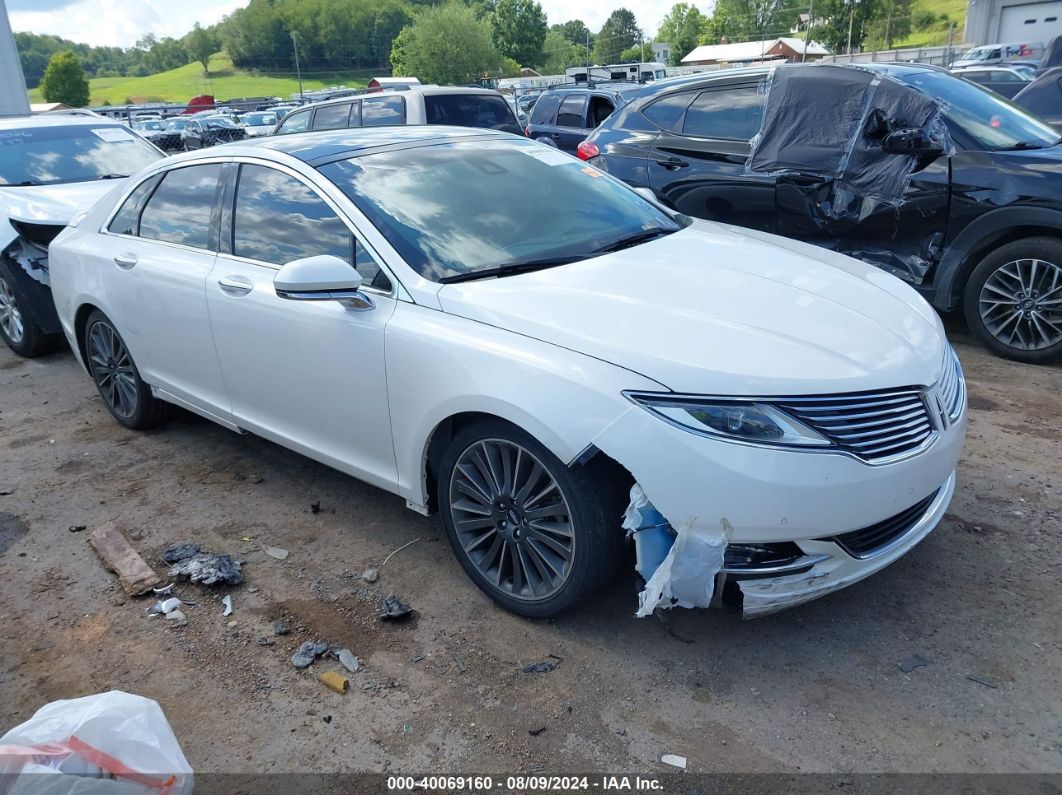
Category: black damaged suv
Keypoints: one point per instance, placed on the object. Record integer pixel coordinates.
(906, 167)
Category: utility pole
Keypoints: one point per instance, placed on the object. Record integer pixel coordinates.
(851, 20)
(888, 26)
(951, 40)
(807, 31)
(298, 70)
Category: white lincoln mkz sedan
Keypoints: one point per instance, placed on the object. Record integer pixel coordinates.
(494, 330)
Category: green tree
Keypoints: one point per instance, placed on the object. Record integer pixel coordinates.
(519, 30)
(64, 81)
(632, 55)
(754, 20)
(893, 23)
(682, 28)
(445, 44)
(620, 32)
(560, 53)
(575, 31)
(838, 15)
(201, 43)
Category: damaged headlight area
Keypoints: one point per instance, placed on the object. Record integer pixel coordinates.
(740, 420)
(30, 248)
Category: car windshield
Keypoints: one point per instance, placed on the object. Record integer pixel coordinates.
(456, 208)
(976, 54)
(259, 119)
(991, 121)
(468, 110)
(175, 124)
(147, 126)
(49, 155)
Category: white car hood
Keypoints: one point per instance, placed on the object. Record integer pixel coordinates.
(722, 310)
(53, 204)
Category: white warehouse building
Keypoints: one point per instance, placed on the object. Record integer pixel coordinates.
(1006, 21)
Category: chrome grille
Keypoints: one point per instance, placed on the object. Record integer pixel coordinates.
(952, 387)
(873, 426)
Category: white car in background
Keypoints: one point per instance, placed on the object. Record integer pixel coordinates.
(52, 167)
(258, 123)
(384, 302)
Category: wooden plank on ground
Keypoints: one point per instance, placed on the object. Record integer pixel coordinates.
(117, 555)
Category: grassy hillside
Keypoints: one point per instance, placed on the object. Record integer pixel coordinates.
(224, 81)
(937, 33)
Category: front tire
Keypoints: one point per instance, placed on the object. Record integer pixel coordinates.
(124, 393)
(534, 535)
(17, 327)
(1013, 300)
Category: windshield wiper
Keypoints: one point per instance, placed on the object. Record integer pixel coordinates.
(112, 176)
(1021, 146)
(509, 269)
(633, 240)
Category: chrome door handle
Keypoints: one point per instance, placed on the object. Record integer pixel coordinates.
(125, 261)
(672, 163)
(235, 285)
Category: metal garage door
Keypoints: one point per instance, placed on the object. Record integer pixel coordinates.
(1031, 22)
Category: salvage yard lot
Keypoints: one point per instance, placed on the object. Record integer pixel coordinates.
(818, 688)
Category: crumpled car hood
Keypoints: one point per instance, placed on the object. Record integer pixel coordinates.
(52, 204)
(723, 310)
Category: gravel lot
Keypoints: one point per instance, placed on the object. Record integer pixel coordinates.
(818, 688)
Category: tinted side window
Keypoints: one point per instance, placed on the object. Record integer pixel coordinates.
(545, 109)
(331, 117)
(179, 210)
(734, 114)
(571, 111)
(127, 220)
(355, 115)
(295, 122)
(667, 111)
(468, 110)
(377, 111)
(600, 109)
(278, 219)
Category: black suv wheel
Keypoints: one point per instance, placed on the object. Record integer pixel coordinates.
(1013, 300)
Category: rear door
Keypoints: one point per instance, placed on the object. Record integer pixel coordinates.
(332, 117)
(570, 130)
(697, 163)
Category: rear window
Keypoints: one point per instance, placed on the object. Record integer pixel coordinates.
(666, 111)
(380, 111)
(468, 110)
(571, 111)
(545, 109)
(730, 113)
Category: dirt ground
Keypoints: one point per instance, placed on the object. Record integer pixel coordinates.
(818, 688)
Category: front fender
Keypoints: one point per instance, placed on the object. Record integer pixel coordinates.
(440, 365)
(981, 232)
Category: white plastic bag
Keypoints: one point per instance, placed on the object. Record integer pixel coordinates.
(112, 743)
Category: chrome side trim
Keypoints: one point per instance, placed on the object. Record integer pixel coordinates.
(800, 563)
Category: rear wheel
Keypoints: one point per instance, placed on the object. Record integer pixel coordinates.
(17, 327)
(1013, 300)
(124, 393)
(534, 535)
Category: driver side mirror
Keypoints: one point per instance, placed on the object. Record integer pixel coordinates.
(913, 141)
(325, 277)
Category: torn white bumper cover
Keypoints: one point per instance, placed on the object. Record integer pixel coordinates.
(772, 527)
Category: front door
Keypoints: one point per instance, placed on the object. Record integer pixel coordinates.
(697, 163)
(307, 374)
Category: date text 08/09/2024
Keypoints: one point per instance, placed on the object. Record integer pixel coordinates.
(524, 783)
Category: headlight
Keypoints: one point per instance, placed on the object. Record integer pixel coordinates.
(760, 423)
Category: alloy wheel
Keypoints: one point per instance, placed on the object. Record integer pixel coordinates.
(112, 368)
(1021, 304)
(10, 314)
(512, 520)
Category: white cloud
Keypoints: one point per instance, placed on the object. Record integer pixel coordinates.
(120, 23)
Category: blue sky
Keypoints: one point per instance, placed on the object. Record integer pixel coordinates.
(122, 22)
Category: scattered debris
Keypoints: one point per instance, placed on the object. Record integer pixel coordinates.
(542, 667)
(370, 575)
(277, 552)
(209, 569)
(912, 662)
(394, 610)
(178, 617)
(326, 718)
(280, 628)
(77, 528)
(337, 682)
(179, 552)
(166, 590)
(983, 681)
(227, 601)
(418, 658)
(135, 576)
(231, 624)
(6, 490)
(349, 661)
(674, 760)
(264, 641)
(395, 552)
(460, 665)
(536, 732)
(307, 653)
(165, 606)
(315, 507)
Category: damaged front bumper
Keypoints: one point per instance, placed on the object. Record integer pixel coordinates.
(765, 529)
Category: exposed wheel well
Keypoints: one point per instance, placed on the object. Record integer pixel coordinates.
(80, 319)
(451, 426)
(985, 247)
